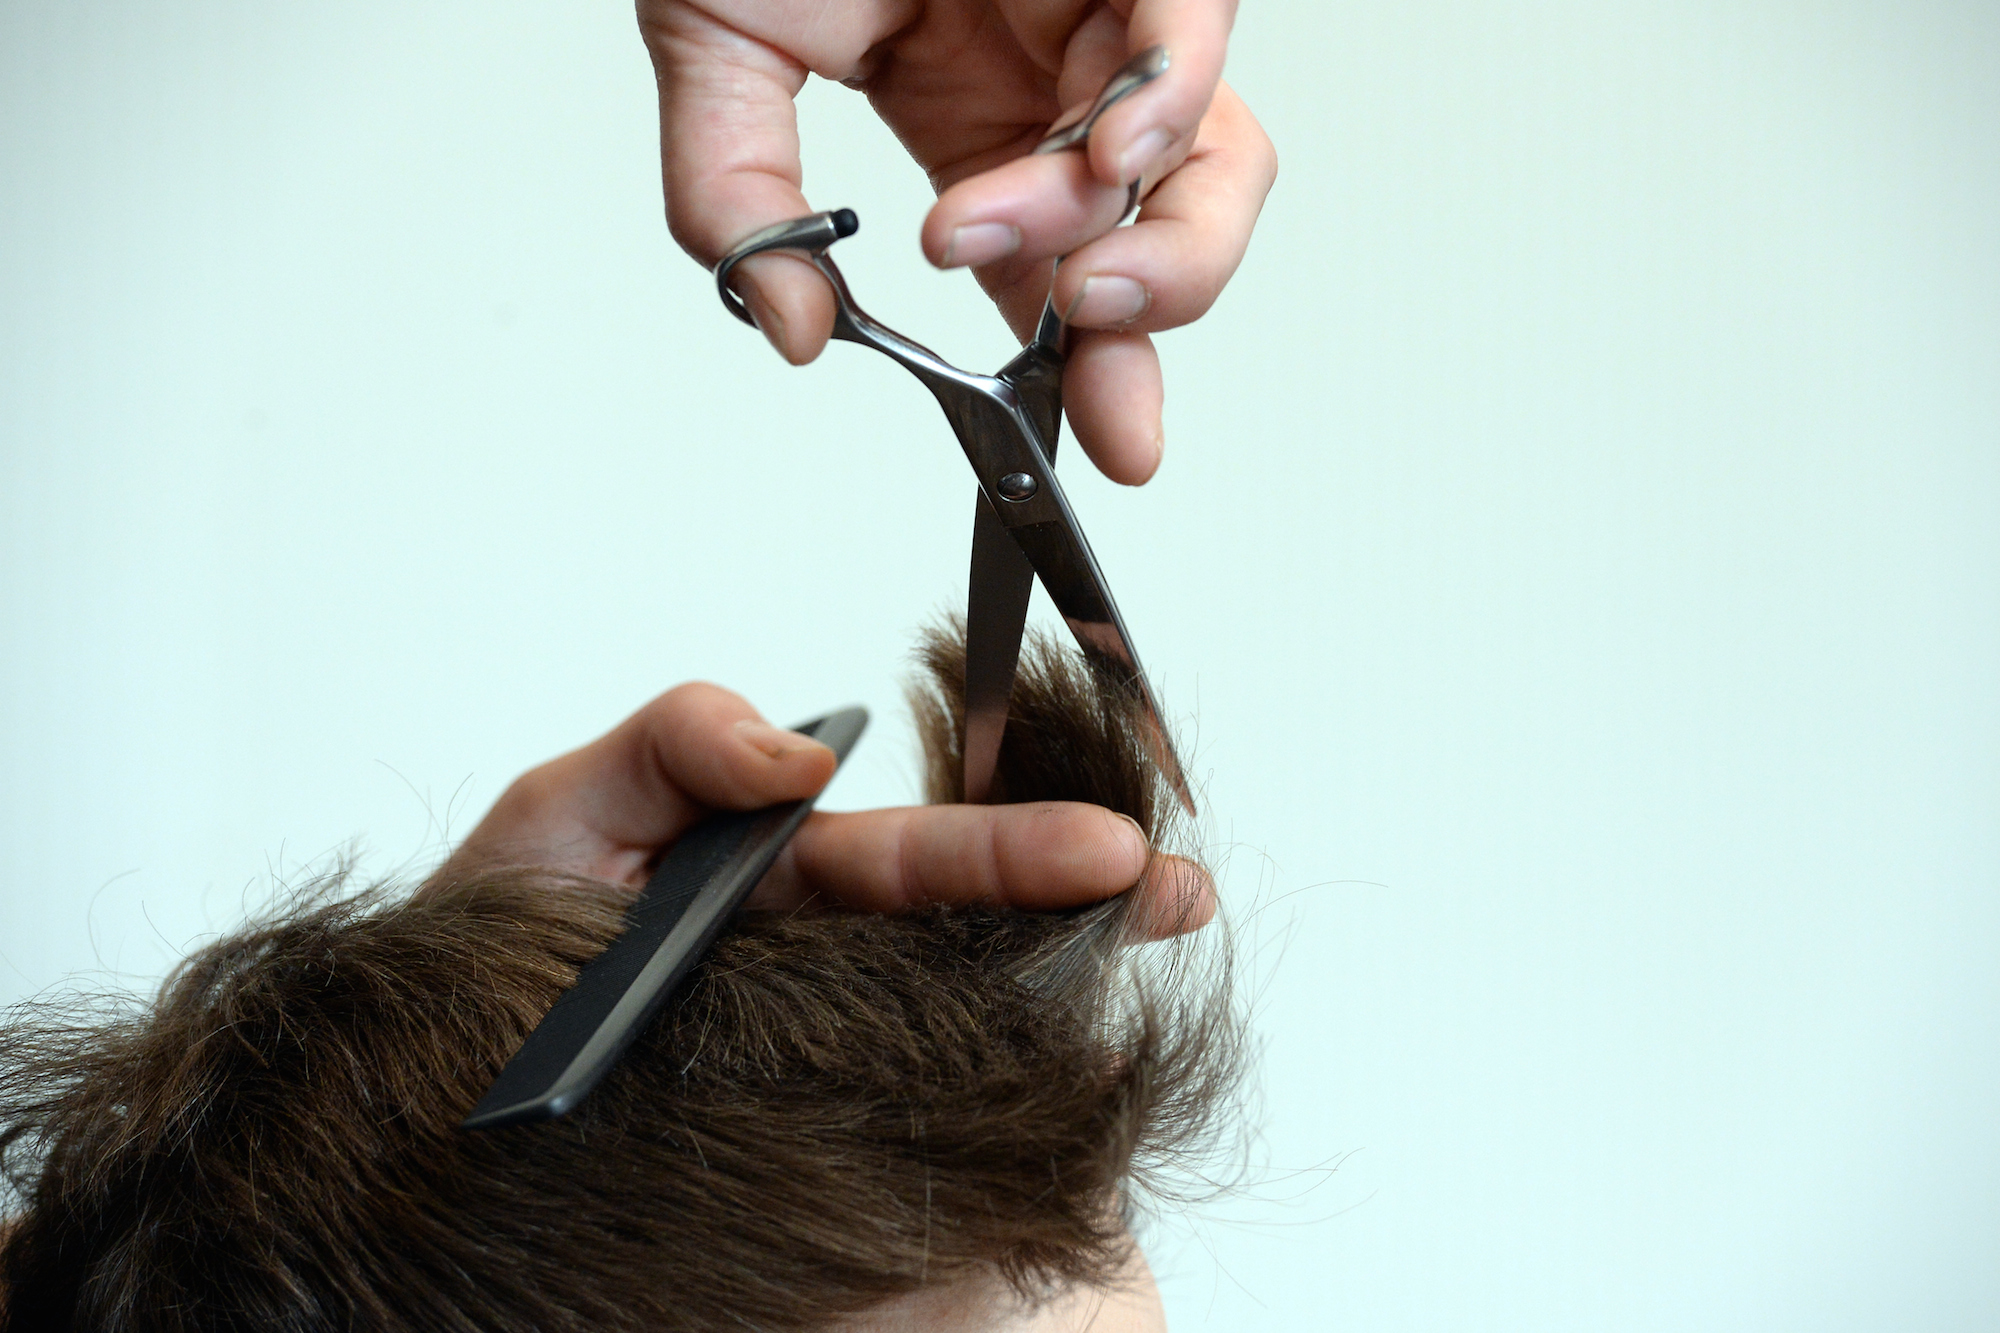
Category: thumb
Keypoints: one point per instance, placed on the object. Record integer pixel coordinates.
(729, 155)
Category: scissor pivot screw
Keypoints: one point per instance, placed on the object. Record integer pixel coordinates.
(1017, 486)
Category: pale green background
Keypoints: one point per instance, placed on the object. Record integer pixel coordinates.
(1576, 551)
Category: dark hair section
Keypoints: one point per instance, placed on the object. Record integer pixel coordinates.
(842, 1108)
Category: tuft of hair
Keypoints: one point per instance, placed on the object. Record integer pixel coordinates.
(842, 1108)
(1075, 732)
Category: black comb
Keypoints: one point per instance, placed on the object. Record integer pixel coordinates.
(699, 884)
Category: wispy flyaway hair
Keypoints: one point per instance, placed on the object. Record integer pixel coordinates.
(843, 1108)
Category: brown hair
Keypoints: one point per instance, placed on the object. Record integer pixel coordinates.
(843, 1107)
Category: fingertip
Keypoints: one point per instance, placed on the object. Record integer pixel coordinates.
(1056, 854)
(1143, 157)
(790, 302)
(777, 742)
(1177, 896)
(1139, 131)
(712, 745)
(1076, 852)
(1115, 404)
(783, 763)
(951, 241)
(769, 319)
(1024, 209)
(1127, 461)
(934, 236)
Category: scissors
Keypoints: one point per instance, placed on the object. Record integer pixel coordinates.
(1022, 527)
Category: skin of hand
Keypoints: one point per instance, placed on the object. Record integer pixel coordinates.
(969, 87)
(607, 810)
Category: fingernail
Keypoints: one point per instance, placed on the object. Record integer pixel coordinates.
(1142, 155)
(1144, 845)
(775, 741)
(980, 243)
(769, 322)
(1104, 302)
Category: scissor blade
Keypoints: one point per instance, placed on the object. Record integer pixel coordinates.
(996, 604)
(1069, 572)
(996, 610)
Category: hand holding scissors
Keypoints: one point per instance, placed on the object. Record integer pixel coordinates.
(969, 87)
(1023, 527)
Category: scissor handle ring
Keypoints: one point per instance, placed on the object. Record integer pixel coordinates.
(813, 234)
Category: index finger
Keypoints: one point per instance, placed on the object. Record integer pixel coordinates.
(1035, 856)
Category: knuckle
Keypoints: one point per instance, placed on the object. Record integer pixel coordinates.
(906, 877)
(532, 792)
(1264, 155)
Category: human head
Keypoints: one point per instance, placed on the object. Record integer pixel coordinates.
(847, 1116)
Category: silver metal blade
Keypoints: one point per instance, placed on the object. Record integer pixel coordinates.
(996, 611)
(1069, 573)
(996, 604)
